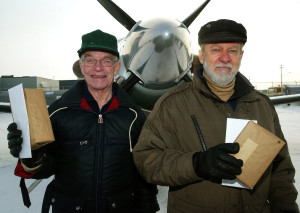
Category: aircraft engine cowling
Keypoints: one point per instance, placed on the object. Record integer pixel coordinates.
(159, 53)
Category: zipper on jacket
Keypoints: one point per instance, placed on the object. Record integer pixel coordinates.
(99, 158)
(100, 119)
(99, 161)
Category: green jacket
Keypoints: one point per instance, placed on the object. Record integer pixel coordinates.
(163, 154)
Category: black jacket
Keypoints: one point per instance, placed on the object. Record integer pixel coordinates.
(91, 157)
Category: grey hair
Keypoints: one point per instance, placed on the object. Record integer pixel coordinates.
(202, 46)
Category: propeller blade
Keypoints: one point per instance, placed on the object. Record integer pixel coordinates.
(129, 82)
(122, 17)
(189, 20)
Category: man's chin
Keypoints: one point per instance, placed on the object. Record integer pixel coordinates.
(222, 81)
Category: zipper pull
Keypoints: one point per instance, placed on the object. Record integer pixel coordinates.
(100, 120)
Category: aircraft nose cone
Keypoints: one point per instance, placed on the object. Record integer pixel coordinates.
(158, 51)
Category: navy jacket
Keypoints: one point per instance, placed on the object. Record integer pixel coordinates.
(91, 157)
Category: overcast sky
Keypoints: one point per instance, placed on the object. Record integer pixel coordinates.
(41, 38)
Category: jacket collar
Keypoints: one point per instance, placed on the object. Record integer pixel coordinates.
(72, 97)
(242, 86)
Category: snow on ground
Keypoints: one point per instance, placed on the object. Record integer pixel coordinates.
(11, 199)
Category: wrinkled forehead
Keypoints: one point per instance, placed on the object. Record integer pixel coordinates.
(98, 54)
(227, 45)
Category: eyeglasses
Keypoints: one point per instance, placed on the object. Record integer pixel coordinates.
(105, 62)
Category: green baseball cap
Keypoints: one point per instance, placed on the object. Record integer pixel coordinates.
(98, 40)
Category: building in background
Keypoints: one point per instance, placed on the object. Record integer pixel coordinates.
(53, 89)
(28, 82)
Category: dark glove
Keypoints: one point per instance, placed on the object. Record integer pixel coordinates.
(15, 139)
(216, 163)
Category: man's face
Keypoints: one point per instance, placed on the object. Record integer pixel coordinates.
(221, 61)
(99, 77)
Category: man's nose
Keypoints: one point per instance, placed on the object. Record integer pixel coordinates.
(225, 57)
(98, 65)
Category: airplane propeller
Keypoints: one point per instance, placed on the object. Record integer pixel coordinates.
(189, 20)
(119, 14)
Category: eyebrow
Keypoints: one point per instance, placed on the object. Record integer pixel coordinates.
(234, 46)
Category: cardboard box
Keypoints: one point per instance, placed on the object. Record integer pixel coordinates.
(258, 148)
(40, 128)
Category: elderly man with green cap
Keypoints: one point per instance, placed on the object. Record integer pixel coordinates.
(96, 125)
(182, 144)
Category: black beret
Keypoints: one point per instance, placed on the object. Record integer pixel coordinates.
(222, 30)
(98, 40)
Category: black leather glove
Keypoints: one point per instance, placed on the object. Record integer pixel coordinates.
(15, 139)
(216, 163)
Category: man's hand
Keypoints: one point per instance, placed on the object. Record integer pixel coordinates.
(15, 139)
(216, 163)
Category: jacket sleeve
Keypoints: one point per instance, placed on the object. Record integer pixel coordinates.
(158, 154)
(145, 193)
(283, 193)
(43, 170)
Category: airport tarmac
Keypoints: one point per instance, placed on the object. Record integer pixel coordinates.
(10, 195)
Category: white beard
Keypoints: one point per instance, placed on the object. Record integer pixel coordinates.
(223, 78)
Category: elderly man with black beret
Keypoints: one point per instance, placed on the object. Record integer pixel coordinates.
(182, 144)
(95, 125)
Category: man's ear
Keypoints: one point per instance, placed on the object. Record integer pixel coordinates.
(117, 67)
(201, 56)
